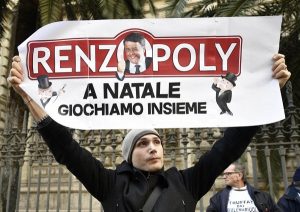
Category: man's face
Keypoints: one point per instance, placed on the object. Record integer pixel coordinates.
(232, 178)
(134, 51)
(147, 154)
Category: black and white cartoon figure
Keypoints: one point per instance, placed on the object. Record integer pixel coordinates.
(45, 90)
(223, 87)
(136, 61)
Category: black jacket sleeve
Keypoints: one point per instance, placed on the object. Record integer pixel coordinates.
(97, 180)
(199, 178)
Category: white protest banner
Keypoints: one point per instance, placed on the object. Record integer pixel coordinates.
(161, 73)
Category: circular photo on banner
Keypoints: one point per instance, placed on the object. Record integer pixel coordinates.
(134, 55)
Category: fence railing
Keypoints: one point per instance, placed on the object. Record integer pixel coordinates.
(31, 180)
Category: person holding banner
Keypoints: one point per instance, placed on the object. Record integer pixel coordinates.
(140, 182)
(239, 195)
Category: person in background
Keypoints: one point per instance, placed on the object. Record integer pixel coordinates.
(239, 195)
(290, 201)
(140, 182)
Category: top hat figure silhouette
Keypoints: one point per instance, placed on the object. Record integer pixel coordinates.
(45, 90)
(223, 87)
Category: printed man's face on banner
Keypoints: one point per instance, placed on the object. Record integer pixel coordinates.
(134, 51)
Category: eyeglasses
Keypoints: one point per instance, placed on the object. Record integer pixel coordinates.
(226, 174)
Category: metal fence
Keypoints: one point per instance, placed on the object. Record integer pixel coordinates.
(31, 180)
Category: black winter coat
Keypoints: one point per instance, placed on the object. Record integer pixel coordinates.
(262, 200)
(125, 189)
(290, 201)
